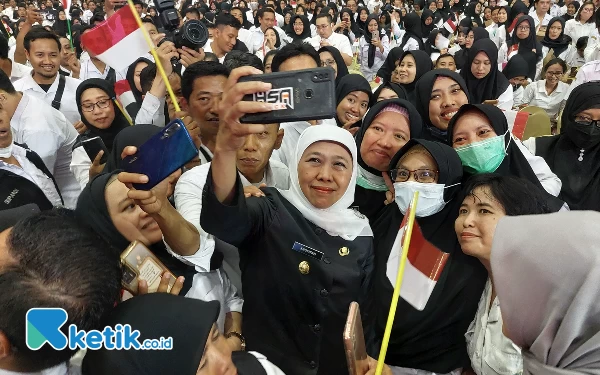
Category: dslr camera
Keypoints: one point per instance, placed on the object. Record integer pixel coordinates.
(193, 34)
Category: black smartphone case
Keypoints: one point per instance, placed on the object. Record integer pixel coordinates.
(93, 146)
(302, 95)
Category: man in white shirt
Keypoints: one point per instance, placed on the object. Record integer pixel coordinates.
(12, 69)
(42, 49)
(266, 18)
(92, 68)
(10, 10)
(85, 281)
(224, 36)
(47, 132)
(278, 17)
(327, 37)
(541, 9)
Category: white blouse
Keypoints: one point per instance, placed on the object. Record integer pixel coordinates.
(491, 352)
(536, 95)
(380, 57)
(576, 29)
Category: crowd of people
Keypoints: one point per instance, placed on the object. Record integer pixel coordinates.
(274, 229)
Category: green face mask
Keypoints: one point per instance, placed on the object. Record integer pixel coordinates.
(483, 156)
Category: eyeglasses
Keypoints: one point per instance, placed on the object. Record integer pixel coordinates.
(524, 28)
(587, 10)
(585, 120)
(421, 175)
(103, 103)
(328, 63)
(554, 74)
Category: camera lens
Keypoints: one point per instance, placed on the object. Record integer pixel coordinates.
(308, 94)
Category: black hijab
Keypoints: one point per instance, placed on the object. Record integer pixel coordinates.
(516, 9)
(130, 136)
(136, 93)
(508, 20)
(187, 320)
(119, 123)
(305, 33)
(369, 37)
(399, 90)
(530, 49)
(560, 44)
(430, 47)
(369, 195)
(412, 26)
(92, 209)
(578, 170)
(492, 85)
(461, 57)
(386, 70)
(516, 67)
(426, 29)
(358, 32)
(348, 84)
(432, 339)
(423, 96)
(423, 64)
(362, 24)
(471, 12)
(342, 69)
(514, 163)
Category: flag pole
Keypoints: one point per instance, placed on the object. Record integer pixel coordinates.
(399, 277)
(70, 33)
(159, 65)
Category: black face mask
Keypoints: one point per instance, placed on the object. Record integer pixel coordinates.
(584, 136)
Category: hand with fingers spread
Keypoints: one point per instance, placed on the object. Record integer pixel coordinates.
(96, 168)
(163, 287)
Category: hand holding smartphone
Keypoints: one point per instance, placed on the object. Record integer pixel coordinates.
(93, 146)
(139, 263)
(354, 342)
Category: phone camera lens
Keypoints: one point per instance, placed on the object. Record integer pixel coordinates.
(308, 94)
(316, 76)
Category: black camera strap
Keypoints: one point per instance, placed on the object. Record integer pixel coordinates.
(59, 92)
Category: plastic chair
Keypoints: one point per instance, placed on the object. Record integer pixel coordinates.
(538, 123)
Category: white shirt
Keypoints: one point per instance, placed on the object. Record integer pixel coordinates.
(80, 166)
(152, 111)
(363, 56)
(536, 20)
(89, 70)
(576, 29)
(550, 181)
(588, 72)
(245, 36)
(411, 45)
(208, 48)
(491, 352)
(213, 285)
(29, 171)
(535, 94)
(62, 369)
(339, 41)
(68, 104)
(258, 38)
(18, 71)
(47, 132)
(518, 96)
(592, 50)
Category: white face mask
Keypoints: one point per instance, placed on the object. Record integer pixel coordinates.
(6, 152)
(431, 197)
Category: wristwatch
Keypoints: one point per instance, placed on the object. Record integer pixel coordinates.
(239, 336)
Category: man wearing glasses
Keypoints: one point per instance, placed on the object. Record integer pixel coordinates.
(327, 37)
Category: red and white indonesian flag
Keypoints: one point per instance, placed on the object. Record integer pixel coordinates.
(66, 4)
(424, 265)
(125, 97)
(118, 41)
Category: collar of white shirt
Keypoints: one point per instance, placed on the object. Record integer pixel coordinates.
(30, 84)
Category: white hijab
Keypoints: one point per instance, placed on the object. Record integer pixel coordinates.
(337, 220)
(548, 287)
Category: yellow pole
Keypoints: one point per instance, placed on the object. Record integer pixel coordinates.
(124, 112)
(159, 65)
(390, 321)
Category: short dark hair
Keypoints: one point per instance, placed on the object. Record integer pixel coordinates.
(97, 17)
(148, 20)
(58, 262)
(197, 70)
(272, 52)
(39, 33)
(558, 61)
(236, 59)
(444, 56)
(209, 56)
(192, 10)
(261, 12)
(321, 15)
(517, 196)
(147, 76)
(582, 42)
(5, 83)
(294, 50)
(3, 47)
(227, 19)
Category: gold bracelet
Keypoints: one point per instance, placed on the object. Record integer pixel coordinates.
(239, 336)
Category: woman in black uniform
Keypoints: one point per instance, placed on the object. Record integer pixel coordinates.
(304, 255)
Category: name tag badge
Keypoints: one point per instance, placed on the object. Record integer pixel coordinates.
(309, 251)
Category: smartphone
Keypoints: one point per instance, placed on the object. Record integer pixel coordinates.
(573, 71)
(354, 342)
(161, 155)
(93, 146)
(299, 95)
(375, 35)
(139, 263)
